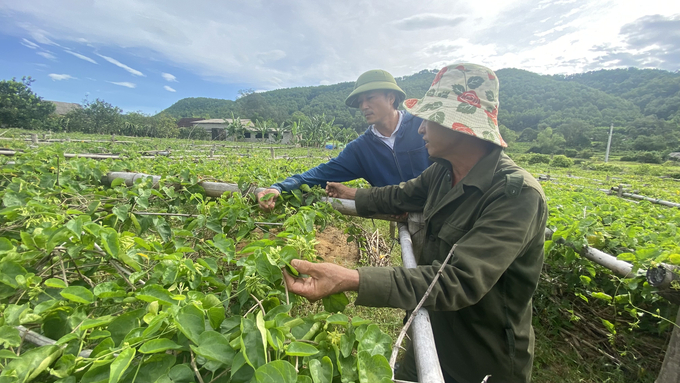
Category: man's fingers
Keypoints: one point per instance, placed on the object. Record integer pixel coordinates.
(303, 267)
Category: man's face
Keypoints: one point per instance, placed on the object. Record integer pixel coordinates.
(438, 140)
(376, 105)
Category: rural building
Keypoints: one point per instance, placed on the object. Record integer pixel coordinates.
(218, 129)
(64, 107)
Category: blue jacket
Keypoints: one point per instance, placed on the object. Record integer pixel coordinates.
(370, 158)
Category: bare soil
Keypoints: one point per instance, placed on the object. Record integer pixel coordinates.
(333, 247)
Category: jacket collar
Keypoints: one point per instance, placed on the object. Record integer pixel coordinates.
(406, 119)
(481, 175)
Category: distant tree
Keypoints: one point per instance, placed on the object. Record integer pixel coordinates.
(245, 92)
(576, 133)
(528, 135)
(548, 142)
(20, 107)
(508, 135)
(263, 128)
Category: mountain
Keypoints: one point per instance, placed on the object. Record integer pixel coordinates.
(528, 100)
(655, 92)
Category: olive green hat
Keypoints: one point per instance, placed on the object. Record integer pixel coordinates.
(376, 79)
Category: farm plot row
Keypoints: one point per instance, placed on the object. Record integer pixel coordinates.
(140, 298)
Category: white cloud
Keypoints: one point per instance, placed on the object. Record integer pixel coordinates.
(125, 84)
(169, 89)
(29, 44)
(169, 77)
(304, 43)
(46, 55)
(121, 65)
(427, 21)
(82, 57)
(59, 77)
(273, 55)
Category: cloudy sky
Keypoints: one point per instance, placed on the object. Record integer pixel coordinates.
(147, 55)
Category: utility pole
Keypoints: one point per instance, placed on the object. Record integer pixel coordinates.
(609, 143)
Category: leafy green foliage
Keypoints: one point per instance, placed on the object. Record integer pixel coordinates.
(20, 107)
(151, 296)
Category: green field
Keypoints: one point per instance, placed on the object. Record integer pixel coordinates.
(164, 298)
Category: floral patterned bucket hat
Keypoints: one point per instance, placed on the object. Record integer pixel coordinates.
(463, 97)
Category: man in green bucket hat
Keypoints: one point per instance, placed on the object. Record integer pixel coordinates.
(389, 152)
(476, 198)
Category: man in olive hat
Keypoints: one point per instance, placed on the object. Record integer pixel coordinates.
(474, 197)
(389, 152)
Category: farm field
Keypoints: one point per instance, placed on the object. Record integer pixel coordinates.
(129, 296)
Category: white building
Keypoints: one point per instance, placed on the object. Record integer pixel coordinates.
(219, 130)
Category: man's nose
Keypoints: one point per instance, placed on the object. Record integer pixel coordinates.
(363, 105)
(421, 128)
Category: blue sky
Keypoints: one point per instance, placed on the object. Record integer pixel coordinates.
(147, 55)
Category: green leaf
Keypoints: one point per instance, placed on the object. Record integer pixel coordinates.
(458, 89)
(125, 323)
(33, 362)
(55, 283)
(181, 373)
(375, 342)
(9, 336)
(108, 290)
(278, 371)
(224, 244)
(466, 108)
(475, 82)
(121, 212)
(78, 294)
(117, 182)
(336, 302)
(163, 228)
(190, 322)
(216, 315)
(628, 257)
(111, 243)
(437, 117)
(301, 349)
(490, 96)
(214, 346)
(153, 368)
(96, 322)
(321, 370)
(674, 258)
(5, 245)
(7, 354)
(339, 319)
(373, 369)
(251, 343)
(152, 293)
(603, 296)
(158, 345)
(120, 364)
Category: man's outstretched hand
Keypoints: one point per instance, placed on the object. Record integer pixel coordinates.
(324, 279)
(338, 190)
(270, 202)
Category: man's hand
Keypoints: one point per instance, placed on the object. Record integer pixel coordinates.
(338, 190)
(324, 279)
(269, 202)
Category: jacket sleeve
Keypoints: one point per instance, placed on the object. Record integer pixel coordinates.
(345, 167)
(409, 196)
(502, 233)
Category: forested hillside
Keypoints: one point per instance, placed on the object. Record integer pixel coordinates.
(528, 100)
(655, 92)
